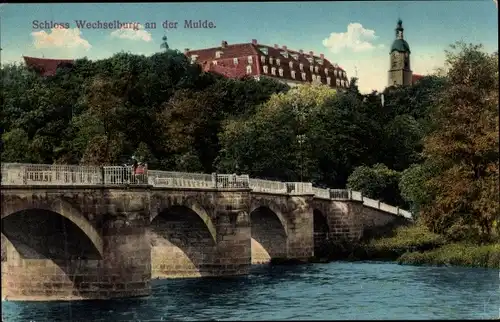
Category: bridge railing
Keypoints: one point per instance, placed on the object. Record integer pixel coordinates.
(299, 187)
(180, 179)
(321, 193)
(43, 174)
(260, 185)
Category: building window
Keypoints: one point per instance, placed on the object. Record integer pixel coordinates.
(278, 61)
(304, 76)
(194, 58)
(273, 70)
(281, 72)
(250, 60)
(316, 69)
(214, 62)
(338, 82)
(328, 80)
(301, 66)
(235, 61)
(336, 73)
(266, 69)
(271, 60)
(293, 73)
(343, 74)
(290, 64)
(263, 59)
(249, 69)
(326, 71)
(295, 56)
(311, 68)
(217, 54)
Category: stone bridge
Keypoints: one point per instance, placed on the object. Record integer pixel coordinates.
(75, 232)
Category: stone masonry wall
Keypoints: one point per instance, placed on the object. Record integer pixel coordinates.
(268, 236)
(377, 223)
(49, 258)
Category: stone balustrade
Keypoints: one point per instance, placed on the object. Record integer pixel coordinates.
(44, 174)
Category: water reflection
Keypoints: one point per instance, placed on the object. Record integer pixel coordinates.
(319, 291)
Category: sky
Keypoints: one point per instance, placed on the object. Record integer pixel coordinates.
(357, 35)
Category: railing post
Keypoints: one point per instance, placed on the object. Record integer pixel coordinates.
(214, 180)
(397, 210)
(102, 175)
(350, 194)
(361, 194)
(378, 204)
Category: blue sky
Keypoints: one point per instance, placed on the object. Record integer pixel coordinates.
(357, 34)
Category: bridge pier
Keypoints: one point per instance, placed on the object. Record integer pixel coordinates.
(300, 230)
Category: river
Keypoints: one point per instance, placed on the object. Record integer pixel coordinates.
(338, 290)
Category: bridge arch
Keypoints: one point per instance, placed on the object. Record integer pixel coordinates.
(183, 240)
(269, 233)
(60, 207)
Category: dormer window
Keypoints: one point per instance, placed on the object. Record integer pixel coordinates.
(320, 61)
(290, 64)
(263, 50)
(301, 66)
(328, 80)
(194, 58)
(250, 59)
(235, 61)
(214, 62)
(295, 56)
(304, 76)
(284, 54)
(336, 73)
(249, 69)
(316, 68)
(281, 72)
(311, 68)
(278, 61)
(293, 73)
(218, 53)
(326, 71)
(338, 82)
(273, 70)
(266, 69)
(310, 59)
(263, 59)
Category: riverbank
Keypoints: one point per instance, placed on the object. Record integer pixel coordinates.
(415, 245)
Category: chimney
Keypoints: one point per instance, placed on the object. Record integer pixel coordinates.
(322, 56)
(224, 44)
(186, 50)
(254, 41)
(301, 51)
(276, 46)
(284, 47)
(311, 53)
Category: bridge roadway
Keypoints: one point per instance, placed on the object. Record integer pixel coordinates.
(77, 232)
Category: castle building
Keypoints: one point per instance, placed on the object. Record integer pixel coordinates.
(400, 72)
(46, 66)
(279, 63)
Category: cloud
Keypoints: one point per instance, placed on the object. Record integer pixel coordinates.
(132, 33)
(356, 39)
(60, 38)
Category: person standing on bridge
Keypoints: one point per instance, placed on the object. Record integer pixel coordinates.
(139, 173)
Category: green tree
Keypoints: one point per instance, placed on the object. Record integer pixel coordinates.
(465, 145)
(377, 182)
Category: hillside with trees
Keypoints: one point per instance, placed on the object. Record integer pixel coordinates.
(431, 147)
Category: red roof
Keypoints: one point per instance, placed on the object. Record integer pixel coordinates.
(415, 78)
(46, 66)
(234, 60)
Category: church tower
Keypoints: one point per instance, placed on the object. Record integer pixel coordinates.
(400, 72)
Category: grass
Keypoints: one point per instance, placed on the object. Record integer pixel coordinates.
(416, 245)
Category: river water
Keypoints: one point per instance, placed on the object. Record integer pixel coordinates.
(338, 290)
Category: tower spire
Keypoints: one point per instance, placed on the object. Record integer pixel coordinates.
(164, 44)
(399, 29)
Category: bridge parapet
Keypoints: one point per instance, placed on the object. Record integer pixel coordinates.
(44, 174)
